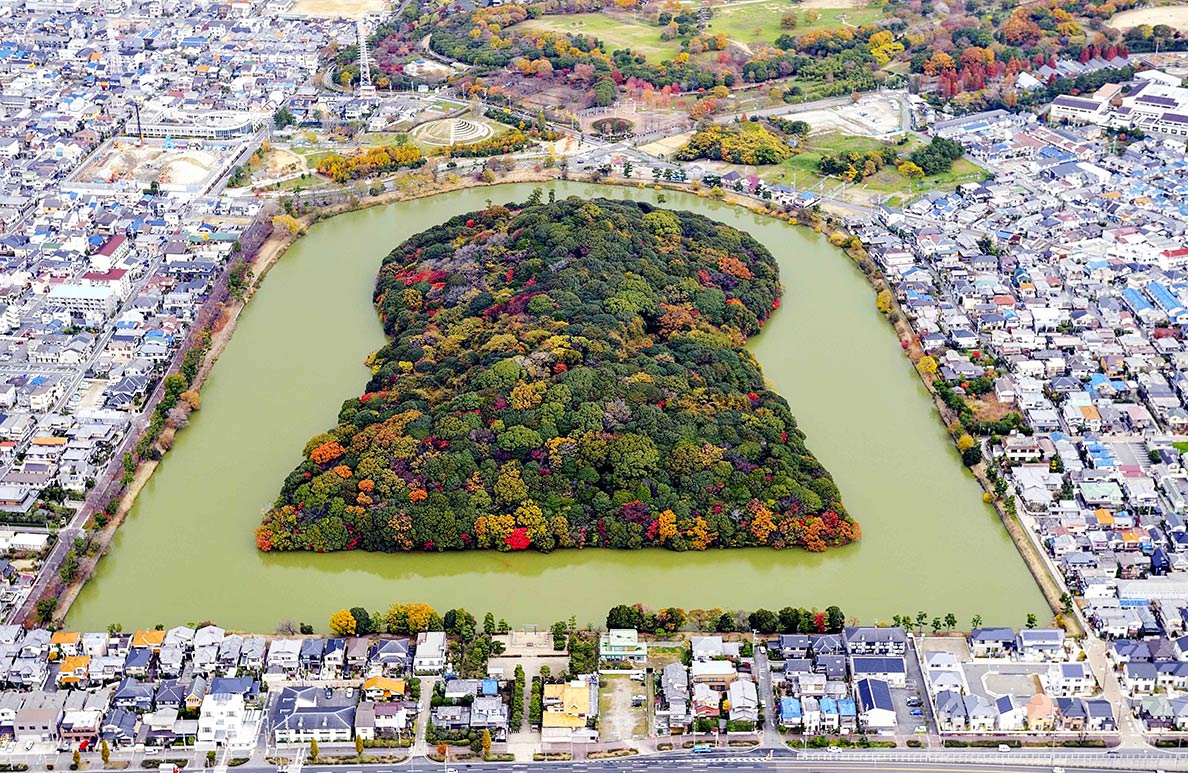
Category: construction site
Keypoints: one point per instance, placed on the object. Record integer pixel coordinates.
(176, 166)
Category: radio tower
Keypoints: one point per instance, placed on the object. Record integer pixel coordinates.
(366, 89)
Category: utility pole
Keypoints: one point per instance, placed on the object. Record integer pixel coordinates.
(139, 128)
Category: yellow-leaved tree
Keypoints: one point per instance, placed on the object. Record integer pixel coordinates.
(342, 623)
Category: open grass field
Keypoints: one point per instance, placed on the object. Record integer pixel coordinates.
(802, 167)
(615, 33)
(760, 22)
(1175, 16)
(800, 171)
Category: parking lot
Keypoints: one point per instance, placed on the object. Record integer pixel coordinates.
(622, 708)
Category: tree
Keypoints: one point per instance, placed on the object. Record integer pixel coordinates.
(287, 222)
(342, 623)
(489, 623)
(358, 745)
(363, 624)
(764, 621)
(950, 621)
(921, 619)
(104, 751)
(1032, 620)
(624, 616)
(76, 760)
(45, 609)
(486, 743)
(283, 118)
(313, 749)
(975, 622)
(927, 365)
(604, 92)
(936, 624)
(835, 619)
(911, 170)
(789, 620)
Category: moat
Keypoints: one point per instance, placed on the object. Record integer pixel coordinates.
(186, 552)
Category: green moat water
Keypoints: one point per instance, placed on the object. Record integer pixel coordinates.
(187, 552)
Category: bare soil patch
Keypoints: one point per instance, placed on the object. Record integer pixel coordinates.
(1172, 15)
(988, 408)
(618, 719)
(352, 9)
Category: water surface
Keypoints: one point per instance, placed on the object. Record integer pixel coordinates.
(186, 552)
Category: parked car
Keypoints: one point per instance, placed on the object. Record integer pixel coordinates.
(917, 713)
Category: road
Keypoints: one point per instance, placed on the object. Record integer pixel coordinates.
(761, 670)
(750, 762)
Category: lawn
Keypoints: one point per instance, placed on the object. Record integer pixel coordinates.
(615, 33)
(760, 22)
(801, 170)
(1181, 446)
(385, 138)
(889, 180)
(802, 167)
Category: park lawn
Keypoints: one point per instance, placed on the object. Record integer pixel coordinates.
(386, 138)
(615, 33)
(889, 180)
(1181, 446)
(313, 158)
(310, 183)
(801, 169)
(760, 22)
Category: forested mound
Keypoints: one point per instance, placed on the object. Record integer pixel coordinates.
(563, 375)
